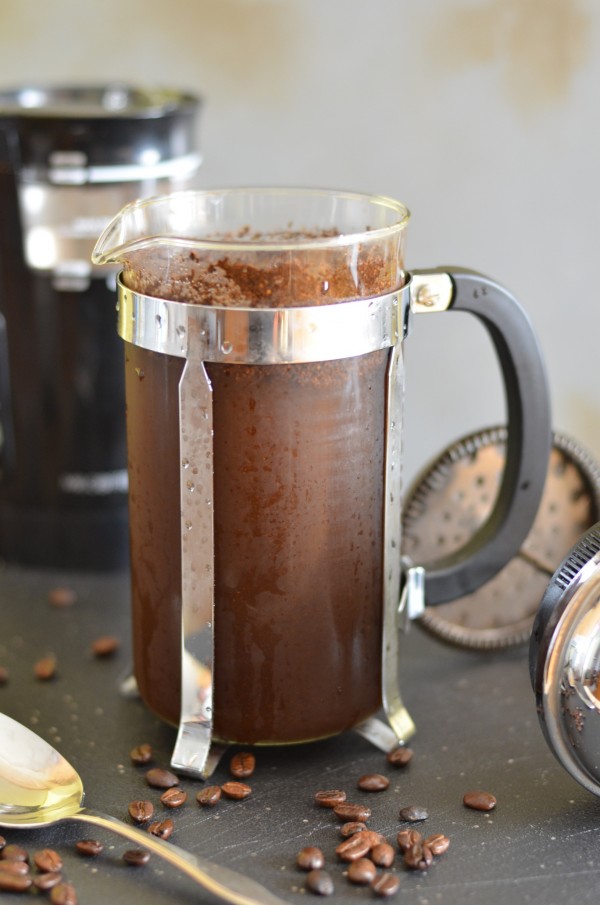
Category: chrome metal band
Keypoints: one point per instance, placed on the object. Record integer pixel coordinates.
(263, 335)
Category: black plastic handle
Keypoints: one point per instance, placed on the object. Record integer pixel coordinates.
(528, 444)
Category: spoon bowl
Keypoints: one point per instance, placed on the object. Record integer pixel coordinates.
(38, 788)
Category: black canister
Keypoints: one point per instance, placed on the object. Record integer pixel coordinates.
(69, 158)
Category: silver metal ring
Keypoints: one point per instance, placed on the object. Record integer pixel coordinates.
(263, 335)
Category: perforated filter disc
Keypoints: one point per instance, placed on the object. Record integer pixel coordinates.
(454, 496)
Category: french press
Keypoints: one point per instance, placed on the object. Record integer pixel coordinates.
(264, 334)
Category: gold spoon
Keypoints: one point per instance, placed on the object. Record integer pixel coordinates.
(38, 787)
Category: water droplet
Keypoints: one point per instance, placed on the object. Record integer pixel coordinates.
(191, 486)
(185, 463)
(188, 526)
(140, 373)
(226, 347)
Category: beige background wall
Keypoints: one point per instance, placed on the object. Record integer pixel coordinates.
(482, 115)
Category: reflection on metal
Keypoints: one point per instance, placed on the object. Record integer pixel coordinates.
(194, 738)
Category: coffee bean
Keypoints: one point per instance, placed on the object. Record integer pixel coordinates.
(386, 885)
(399, 757)
(413, 813)
(353, 848)
(330, 798)
(479, 801)
(47, 861)
(373, 838)
(45, 669)
(236, 790)
(173, 798)
(15, 867)
(418, 857)
(437, 844)
(362, 872)
(141, 754)
(310, 858)
(63, 894)
(242, 765)
(89, 848)
(14, 852)
(348, 811)
(62, 597)
(105, 646)
(141, 811)
(157, 778)
(136, 857)
(47, 881)
(208, 796)
(382, 855)
(162, 828)
(373, 782)
(14, 882)
(3, 675)
(407, 838)
(353, 826)
(320, 883)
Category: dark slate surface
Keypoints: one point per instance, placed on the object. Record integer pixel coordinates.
(477, 729)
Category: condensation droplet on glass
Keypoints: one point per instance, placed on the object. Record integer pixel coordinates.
(204, 413)
(226, 347)
(140, 373)
(191, 486)
(188, 526)
(185, 463)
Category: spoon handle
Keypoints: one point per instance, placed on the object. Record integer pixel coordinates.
(225, 884)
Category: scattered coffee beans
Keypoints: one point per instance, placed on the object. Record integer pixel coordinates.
(330, 798)
(320, 883)
(362, 872)
(479, 801)
(15, 867)
(386, 885)
(353, 826)
(173, 798)
(61, 597)
(89, 848)
(407, 838)
(413, 813)
(310, 858)
(162, 828)
(63, 894)
(136, 857)
(45, 669)
(242, 765)
(399, 757)
(208, 796)
(437, 844)
(157, 778)
(47, 861)
(373, 782)
(105, 646)
(383, 855)
(14, 853)
(141, 811)
(354, 847)
(14, 882)
(236, 790)
(418, 857)
(141, 754)
(348, 811)
(47, 881)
